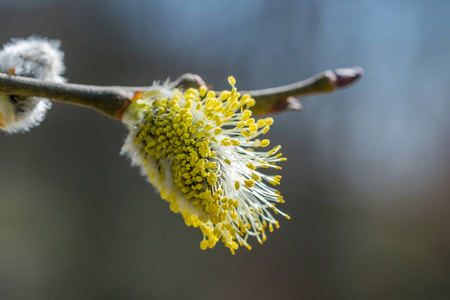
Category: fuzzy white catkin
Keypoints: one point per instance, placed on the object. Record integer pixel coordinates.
(33, 57)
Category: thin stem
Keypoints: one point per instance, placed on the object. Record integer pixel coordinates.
(109, 100)
(113, 100)
(281, 98)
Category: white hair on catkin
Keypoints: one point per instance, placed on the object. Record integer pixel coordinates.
(33, 57)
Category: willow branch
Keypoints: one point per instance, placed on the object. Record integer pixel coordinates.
(109, 100)
(113, 100)
(283, 98)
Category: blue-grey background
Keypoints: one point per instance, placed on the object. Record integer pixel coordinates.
(367, 181)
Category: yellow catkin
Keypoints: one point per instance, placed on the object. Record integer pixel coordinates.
(182, 137)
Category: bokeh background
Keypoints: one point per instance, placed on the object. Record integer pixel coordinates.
(366, 183)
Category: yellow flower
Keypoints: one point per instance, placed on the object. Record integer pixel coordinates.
(200, 150)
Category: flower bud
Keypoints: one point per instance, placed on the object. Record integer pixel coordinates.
(33, 57)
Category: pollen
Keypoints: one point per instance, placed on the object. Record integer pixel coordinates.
(265, 143)
(231, 80)
(198, 149)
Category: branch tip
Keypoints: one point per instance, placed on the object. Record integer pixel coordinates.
(347, 76)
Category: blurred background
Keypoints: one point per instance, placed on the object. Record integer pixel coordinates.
(367, 178)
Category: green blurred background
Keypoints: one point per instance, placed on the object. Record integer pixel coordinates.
(367, 178)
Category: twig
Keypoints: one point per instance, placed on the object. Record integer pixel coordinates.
(281, 98)
(109, 100)
(113, 100)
